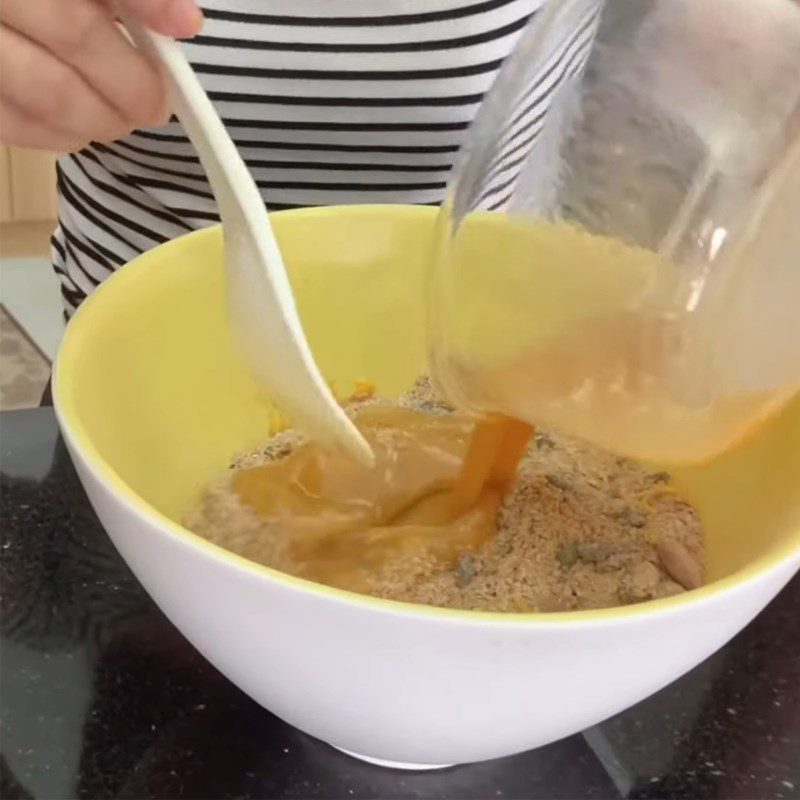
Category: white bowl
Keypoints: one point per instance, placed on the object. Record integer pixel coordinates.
(153, 401)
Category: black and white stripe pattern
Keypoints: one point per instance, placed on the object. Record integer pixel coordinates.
(517, 145)
(537, 104)
(329, 102)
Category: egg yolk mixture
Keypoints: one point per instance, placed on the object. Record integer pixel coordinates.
(436, 487)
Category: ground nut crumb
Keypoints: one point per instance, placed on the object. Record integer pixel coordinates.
(581, 528)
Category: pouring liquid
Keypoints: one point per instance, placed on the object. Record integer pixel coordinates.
(620, 378)
(579, 339)
(434, 491)
(592, 337)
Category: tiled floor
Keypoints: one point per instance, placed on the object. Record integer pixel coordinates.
(24, 369)
(31, 322)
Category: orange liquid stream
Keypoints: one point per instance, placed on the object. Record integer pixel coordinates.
(497, 445)
(434, 492)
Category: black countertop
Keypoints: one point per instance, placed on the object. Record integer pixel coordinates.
(102, 697)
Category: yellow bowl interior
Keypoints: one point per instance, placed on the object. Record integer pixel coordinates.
(149, 383)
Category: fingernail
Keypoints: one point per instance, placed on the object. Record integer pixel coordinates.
(186, 17)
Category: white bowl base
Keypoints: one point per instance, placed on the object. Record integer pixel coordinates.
(382, 762)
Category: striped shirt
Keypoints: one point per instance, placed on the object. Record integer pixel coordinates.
(329, 102)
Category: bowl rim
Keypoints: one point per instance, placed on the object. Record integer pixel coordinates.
(81, 442)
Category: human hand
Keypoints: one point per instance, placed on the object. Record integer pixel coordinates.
(69, 76)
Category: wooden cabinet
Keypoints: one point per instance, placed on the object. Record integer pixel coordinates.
(27, 185)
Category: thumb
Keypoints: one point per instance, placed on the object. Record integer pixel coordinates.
(181, 19)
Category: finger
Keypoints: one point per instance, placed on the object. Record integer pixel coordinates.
(181, 19)
(93, 44)
(19, 129)
(52, 92)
